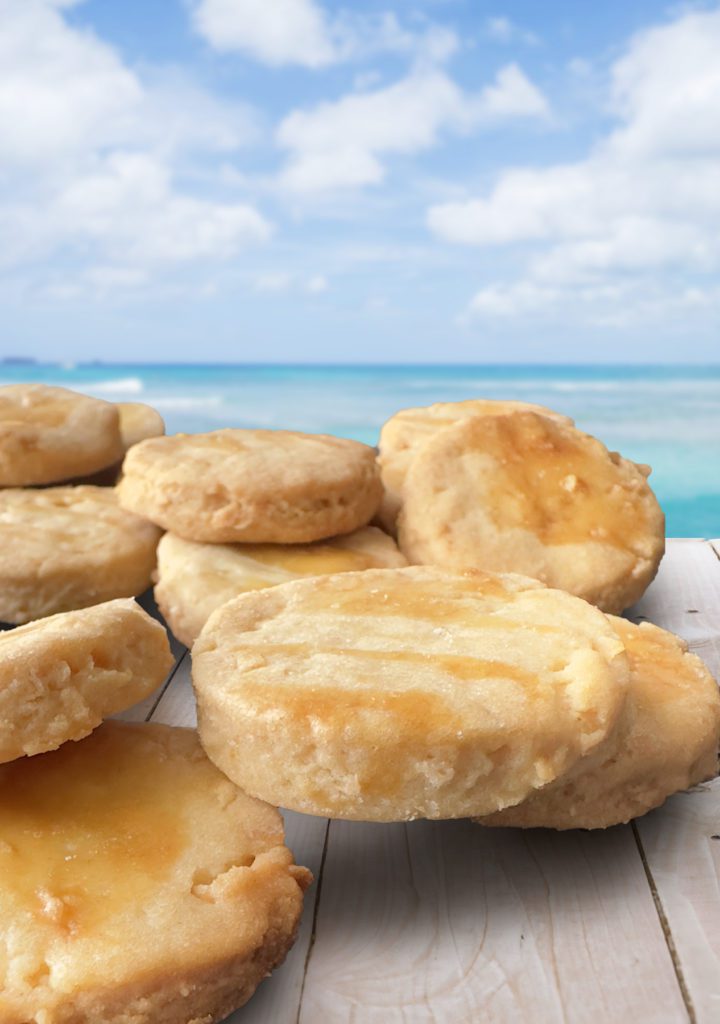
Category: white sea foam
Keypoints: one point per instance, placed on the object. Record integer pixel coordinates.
(121, 386)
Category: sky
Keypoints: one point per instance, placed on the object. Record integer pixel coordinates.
(410, 181)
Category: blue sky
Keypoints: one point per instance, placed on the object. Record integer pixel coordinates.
(302, 180)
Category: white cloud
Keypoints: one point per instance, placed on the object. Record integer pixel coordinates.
(108, 278)
(301, 32)
(512, 94)
(58, 87)
(503, 30)
(317, 284)
(618, 304)
(276, 32)
(63, 91)
(89, 147)
(340, 144)
(283, 281)
(644, 202)
(128, 206)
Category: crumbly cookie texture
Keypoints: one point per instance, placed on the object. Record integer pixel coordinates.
(138, 885)
(404, 434)
(666, 741)
(393, 694)
(63, 548)
(50, 434)
(138, 422)
(194, 579)
(523, 493)
(61, 676)
(254, 486)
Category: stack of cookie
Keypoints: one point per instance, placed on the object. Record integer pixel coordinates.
(247, 509)
(69, 546)
(510, 487)
(394, 694)
(143, 876)
(136, 881)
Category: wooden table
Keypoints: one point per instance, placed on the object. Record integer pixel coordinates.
(449, 922)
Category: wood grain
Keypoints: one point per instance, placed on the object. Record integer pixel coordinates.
(681, 841)
(447, 921)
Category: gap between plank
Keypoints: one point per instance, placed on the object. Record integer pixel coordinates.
(667, 932)
(316, 908)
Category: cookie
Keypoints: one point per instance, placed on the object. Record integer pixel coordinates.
(137, 884)
(667, 741)
(405, 433)
(50, 434)
(194, 579)
(61, 676)
(394, 694)
(255, 486)
(138, 422)
(524, 493)
(63, 548)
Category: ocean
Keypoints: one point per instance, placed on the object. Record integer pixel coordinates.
(668, 417)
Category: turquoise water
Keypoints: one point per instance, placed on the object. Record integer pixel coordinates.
(668, 417)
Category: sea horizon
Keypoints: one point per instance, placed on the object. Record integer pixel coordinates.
(666, 415)
(10, 360)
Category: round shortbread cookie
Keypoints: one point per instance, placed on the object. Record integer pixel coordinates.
(194, 579)
(256, 486)
(137, 884)
(50, 434)
(63, 548)
(666, 741)
(61, 676)
(138, 422)
(394, 694)
(405, 433)
(523, 493)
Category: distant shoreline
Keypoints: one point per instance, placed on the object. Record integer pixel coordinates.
(29, 361)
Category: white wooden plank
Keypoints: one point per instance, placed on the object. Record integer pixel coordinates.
(177, 703)
(451, 922)
(681, 840)
(685, 598)
(278, 998)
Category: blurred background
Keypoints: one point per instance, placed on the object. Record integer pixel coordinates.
(308, 214)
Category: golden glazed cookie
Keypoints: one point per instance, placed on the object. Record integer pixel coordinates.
(405, 433)
(194, 579)
(666, 741)
(137, 884)
(63, 548)
(523, 493)
(61, 676)
(256, 486)
(138, 422)
(50, 434)
(393, 694)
